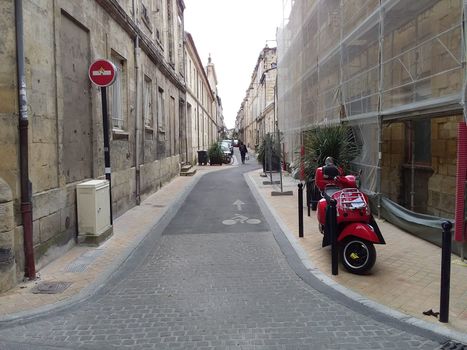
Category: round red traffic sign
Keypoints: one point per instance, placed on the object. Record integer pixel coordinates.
(102, 72)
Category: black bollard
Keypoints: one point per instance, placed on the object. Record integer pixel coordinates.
(300, 210)
(445, 272)
(333, 232)
(308, 196)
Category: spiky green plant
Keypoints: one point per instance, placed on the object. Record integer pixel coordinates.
(215, 153)
(335, 141)
(268, 142)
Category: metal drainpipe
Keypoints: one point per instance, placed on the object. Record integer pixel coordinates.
(137, 124)
(26, 205)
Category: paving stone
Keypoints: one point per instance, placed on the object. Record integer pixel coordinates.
(211, 289)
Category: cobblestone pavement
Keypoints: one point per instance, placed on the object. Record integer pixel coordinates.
(214, 279)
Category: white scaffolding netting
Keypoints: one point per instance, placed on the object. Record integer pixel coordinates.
(364, 61)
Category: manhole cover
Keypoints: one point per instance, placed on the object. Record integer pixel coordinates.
(452, 345)
(50, 287)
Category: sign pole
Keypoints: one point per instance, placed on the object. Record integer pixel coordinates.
(103, 73)
(105, 124)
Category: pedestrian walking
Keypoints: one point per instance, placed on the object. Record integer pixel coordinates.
(243, 151)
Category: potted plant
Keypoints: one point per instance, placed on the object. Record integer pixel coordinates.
(215, 153)
(336, 141)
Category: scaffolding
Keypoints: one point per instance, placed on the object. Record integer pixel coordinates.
(365, 62)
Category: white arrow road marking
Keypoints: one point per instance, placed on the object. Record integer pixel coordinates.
(239, 204)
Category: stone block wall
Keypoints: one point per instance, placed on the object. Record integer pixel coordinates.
(393, 155)
(7, 227)
(442, 182)
(61, 135)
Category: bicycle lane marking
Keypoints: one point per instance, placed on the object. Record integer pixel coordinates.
(240, 219)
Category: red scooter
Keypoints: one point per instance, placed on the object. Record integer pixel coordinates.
(357, 231)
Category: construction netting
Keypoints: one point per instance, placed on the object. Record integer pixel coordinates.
(364, 62)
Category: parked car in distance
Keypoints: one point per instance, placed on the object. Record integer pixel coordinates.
(228, 143)
(227, 152)
(235, 143)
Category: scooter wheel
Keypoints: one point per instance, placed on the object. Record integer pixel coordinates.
(357, 256)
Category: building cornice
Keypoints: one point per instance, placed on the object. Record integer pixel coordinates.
(113, 8)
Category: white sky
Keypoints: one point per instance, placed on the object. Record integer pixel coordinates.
(234, 33)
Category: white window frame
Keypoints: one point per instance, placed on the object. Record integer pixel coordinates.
(160, 109)
(148, 112)
(116, 93)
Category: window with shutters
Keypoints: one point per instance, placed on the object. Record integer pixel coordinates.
(148, 119)
(117, 93)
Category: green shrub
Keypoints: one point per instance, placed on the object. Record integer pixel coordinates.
(335, 141)
(215, 153)
(268, 142)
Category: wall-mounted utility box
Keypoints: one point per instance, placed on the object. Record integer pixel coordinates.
(93, 200)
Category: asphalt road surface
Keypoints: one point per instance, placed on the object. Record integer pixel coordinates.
(219, 276)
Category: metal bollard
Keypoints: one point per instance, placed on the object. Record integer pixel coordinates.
(445, 272)
(300, 210)
(333, 232)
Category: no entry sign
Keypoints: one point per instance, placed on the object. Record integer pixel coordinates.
(102, 72)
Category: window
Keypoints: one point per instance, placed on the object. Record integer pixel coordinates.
(145, 17)
(148, 120)
(180, 44)
(158, 20)
(170, 32)
(116, 90)
(420, 138)
(172, 126)
(160, 110)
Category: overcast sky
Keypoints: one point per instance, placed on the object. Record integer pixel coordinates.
(234, 33)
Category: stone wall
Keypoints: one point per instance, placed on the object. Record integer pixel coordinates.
(442, 184)
(8, 98)
(441, 187)
(61, 39)
(393, 155)
(7, 226)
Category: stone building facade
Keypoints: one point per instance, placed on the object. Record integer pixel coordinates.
(256, 116)
(393, 71)
(147, 111)
(219, 112)
(432, 176)
(201, 103)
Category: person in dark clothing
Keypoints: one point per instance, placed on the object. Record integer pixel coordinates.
(243, 151)
(330, 170)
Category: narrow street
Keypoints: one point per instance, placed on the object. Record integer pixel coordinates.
(217, 277)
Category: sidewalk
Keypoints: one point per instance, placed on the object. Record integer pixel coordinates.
(87, 268)
(405, 278)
